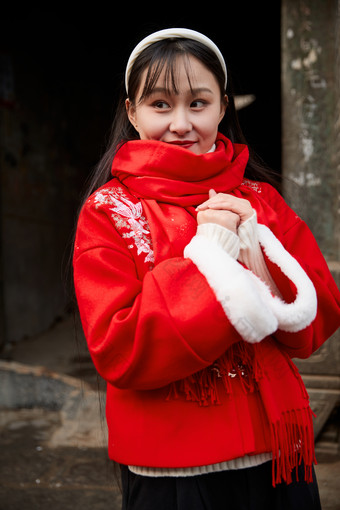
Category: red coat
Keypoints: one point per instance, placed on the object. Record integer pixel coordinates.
(152, 328)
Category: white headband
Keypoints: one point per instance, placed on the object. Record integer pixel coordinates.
(173, 33)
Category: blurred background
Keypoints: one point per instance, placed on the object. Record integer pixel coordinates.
(60, 72)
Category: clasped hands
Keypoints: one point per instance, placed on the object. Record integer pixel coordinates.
(225, 210)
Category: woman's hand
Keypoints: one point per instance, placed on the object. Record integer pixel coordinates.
(224, 209)
(226, 219)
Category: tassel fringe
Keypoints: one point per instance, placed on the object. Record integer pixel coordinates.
(293, 443)
(292, 436)
(202, 387)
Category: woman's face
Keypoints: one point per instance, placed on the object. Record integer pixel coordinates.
(189, 116)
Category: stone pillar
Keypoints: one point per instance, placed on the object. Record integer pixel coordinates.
(311, 157)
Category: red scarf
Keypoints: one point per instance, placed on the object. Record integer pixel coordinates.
(171, 181)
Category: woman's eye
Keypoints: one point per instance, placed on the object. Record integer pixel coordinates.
(160, 105)
(198, 103)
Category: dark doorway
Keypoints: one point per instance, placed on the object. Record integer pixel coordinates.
(59, 81)
(75, 61)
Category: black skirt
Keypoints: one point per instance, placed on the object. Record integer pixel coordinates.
(242, 489)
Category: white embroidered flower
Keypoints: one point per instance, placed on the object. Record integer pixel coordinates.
(252, 184)
(131, 211)
(129, 215)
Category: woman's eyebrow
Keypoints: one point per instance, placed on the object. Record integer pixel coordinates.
(199, 90)
(195, 91)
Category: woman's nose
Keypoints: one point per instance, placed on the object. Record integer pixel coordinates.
(180, 122)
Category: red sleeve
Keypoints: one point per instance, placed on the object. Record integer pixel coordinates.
(299, 241)
(143, 334)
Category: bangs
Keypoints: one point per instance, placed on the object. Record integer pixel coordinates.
(160, 60)
(165, 65)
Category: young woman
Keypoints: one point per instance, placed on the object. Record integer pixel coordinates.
(196, 285)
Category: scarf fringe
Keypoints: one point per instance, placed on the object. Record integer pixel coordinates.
(293, 443)
(202, 387)
(292, 435)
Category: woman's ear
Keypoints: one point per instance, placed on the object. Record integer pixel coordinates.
(131, 113)
(224, 106)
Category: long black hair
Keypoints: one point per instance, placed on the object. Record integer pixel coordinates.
(161, 56)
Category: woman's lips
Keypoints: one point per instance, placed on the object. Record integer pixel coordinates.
(183, 143)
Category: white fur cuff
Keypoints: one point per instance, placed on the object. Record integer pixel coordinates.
(246, 300)
(239, 295)
(300, 313)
